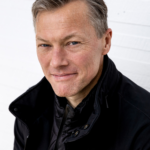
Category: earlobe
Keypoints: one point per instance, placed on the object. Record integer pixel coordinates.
(106, 49)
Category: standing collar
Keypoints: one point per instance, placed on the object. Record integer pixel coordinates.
(61, 102)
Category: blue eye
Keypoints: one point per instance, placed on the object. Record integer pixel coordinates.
(74, 43)
(45, 45)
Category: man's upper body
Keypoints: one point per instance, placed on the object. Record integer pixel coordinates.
(114, 116)
(83, 102)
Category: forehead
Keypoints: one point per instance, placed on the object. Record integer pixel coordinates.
(73, 14)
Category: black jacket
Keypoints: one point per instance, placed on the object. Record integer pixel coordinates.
(119, 120)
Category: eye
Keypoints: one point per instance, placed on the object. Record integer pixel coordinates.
(44, 45)
(73, 43)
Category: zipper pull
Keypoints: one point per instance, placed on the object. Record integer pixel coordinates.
(26, 142)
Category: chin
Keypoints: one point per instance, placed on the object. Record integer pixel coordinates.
(64, 93)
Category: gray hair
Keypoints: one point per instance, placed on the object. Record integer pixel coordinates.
(97, 12)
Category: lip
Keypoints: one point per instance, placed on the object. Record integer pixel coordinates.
(63, 77)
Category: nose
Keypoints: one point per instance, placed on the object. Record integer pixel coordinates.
(59, 58)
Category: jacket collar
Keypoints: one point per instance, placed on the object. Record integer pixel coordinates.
(33, 103)
(109, 81)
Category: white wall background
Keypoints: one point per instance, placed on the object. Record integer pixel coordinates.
(19, 68)
(130, 22)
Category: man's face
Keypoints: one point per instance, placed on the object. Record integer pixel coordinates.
(68, 49)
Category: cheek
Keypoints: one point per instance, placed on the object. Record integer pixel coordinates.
(43, 59)
(87, 63)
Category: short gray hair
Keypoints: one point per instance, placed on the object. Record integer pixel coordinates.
(97, 12)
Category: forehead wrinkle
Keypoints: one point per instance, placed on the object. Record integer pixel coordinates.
(60, 35)
(65, 23)
(67, 37)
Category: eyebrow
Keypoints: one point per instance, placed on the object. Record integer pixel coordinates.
(66, 38)
(40, 39)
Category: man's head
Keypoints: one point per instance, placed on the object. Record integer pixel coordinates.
(70, 46)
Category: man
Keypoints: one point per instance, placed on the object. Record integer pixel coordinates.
(83, 102)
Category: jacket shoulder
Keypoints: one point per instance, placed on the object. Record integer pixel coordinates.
(135, 95)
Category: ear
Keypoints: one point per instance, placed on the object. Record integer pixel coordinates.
(107, 41)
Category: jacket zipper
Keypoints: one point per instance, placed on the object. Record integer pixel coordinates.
(106, 98)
